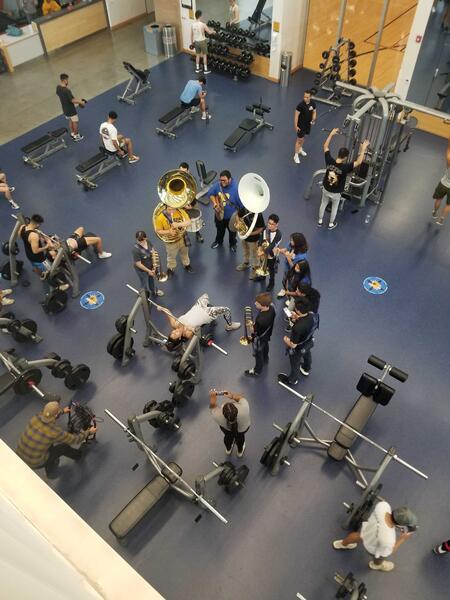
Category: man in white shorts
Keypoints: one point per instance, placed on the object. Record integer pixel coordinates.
(114, 141)
(202, 313)
(378, 534)
(199, 41)
(69, 106)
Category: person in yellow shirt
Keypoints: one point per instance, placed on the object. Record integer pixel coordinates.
(49, 6)
(167, 224)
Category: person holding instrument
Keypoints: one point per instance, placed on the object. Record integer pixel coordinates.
(184, 166)
(335, 176)
(233, 418)
(144, 264)
(261, 331)
(169, 225)
(268, 243)
(225, 199)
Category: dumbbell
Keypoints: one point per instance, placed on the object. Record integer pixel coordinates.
(352, 63)
(325, 54)
(351, 45)
(335, 60)
(6, 250)
(352, 72)
(352, 54)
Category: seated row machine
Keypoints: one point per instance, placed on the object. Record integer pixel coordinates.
(248, 127)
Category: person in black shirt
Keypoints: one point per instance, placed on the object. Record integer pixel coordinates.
(68, 105)
(311, 294)
(268, 243)
(250, 244)
(300, 342)
(305, 116)
(261, 331)
(335, 176)
(144, 265)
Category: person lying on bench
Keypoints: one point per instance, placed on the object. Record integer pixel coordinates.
(114, 141)
(7, 190)
(202, 313)
(77, 242)
(194, 96)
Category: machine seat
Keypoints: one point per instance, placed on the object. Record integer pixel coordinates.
(357, 418)
(173, 114)
(248, 124)
(92, 162)
(45, 139)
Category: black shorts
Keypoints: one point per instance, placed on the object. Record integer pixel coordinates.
(441, 191)
(194, 102)
(80, 240)
(304, 129)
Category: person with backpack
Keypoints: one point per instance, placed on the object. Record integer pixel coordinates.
(301, 341)
(233, 418)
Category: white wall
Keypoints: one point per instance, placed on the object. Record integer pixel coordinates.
(412, 50)
(292, 15)
(48, 551)
(120, 11)
(186, 23)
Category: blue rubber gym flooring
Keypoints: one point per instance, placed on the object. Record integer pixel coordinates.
(278, 541)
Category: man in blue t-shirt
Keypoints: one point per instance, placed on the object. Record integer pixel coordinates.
(224, 196)
(194, 96)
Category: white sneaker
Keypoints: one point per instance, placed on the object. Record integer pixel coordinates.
(386, 565)
(332, 226)
(302, 152)
(104, 255)
(304, 372)
(7, 301)
(228, 452)
(194, 109)
(198, 70)
(338, 545)
(296, 159)
(281, 293)
(205, 116)
(159, 293)
(64, 287)
(319, 223)
(6, 292)
(233, 326)
(241, 453)
(206, 71)
(14, 205)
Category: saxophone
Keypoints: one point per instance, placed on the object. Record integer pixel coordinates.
(220, 206)
(160, 276)
(262, 270)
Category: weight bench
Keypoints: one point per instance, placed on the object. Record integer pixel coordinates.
(174, 119)
(141, 82)
(205, 178)
(143, 502)
(36, 152)
(248, 127)
(95, 167)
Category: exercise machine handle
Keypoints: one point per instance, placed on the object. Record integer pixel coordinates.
(376, 362)
(393, 371)
(398, 374)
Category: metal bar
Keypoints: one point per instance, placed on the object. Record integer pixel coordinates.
(378, 42)
(150, 452)
(419, 108)
(362, 436)
(340, 27)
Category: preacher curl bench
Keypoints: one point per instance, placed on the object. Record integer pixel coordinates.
(248, 127)
(141, 82)
(36, 152)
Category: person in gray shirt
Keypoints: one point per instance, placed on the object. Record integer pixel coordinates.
(233, 417)
(442, 190)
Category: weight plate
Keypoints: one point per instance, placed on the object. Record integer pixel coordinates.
(57, 278)
(227, 473)
(25, 380)
(165, 406)
(29, 328)
(237, 480)
(116, 345)
(325, 54)
(77, 377)
(6, 250)
(121, 324)
(267, 451)
(55, 302)
(61, 369)
(149, 406)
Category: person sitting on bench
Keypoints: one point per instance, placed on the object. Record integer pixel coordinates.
(114, 141)
(202, 313)
(194, 96)
(44, 441)
(36, 248)
(7, 190)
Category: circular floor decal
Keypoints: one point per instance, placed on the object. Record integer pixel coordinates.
(375, 285)
(92, 300)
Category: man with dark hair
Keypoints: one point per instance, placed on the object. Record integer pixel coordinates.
(199, 41)
(268, 247)
(300, 342)
(225, 199)
(311, 294)
(335, 176)
(261, 331)
(305, 116)
(114, 141)
(233, 417)
(193, 96)
(68, 105)
(36, 248)
(144, 264)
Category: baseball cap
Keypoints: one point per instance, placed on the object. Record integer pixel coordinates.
(405, 517)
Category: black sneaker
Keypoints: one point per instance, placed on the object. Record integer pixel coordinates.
(170, 273)
(269, 288)
(251, 373)
(215, 245)
(283, 377)
(189, 269)
(199, 238)
(233, 249)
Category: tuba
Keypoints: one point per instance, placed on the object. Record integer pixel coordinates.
(255, 196)
(176, 188)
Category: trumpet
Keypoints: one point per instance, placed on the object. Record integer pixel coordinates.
(246, 339)
(160, 276)
(262, 270)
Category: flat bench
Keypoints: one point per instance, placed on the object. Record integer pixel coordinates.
(36, 152)
(143, 502)
(94, 167)
(174, 119)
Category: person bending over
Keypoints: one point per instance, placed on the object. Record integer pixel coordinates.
(7, 190)
(193, 96)
(335, 176)
(44, 440)
(114, 141)
(69, 106)
(233, 418)
(378, 534)
(202, 313)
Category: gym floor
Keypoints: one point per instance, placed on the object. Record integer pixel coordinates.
(278, 541)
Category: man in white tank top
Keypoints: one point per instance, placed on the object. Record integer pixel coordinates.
(234, 17)
(199, 41)
(442, 191)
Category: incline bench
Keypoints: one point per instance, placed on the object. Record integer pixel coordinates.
(248, 127)
(143, 502)
(96, 166)
(141, 81)
(174, 119)
(35, 152)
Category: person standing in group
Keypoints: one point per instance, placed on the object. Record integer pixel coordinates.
(299, 274)
(250, 243)
(184, 166)
(114, 141)
(233, 14)
(7, 190)
(233, 417)
(296, 251)
(261, 331)
(168, 224)
(335, 176)
(199, 41)
(44, 441)
(300, 343)
(305, 116)
(268, 243)
(225, 199)
(442, 190)
(144, 264)
(69, 106)
(378, 534)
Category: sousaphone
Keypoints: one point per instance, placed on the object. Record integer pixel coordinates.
(255, 196)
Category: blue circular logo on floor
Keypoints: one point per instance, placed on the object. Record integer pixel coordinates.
(375, 285)
(92, 300)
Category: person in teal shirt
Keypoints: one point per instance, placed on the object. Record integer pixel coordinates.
(193, 96)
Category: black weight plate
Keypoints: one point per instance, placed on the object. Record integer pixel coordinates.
(149, 406)
(5, 271)
(115, 345)
(351, 45)
(121, 324)
(237, 480)
(57, 278)
(27, 324)
(6, 251)
(176, 363)
(28, 377)
(61, 369)
(55, 302)
(77, 377)
(187, 371)
(267, 451)
(325, 54)
(165, 406)
(228, 472)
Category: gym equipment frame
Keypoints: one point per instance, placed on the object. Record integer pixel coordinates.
(36, 152)
(169, 477)
(174, 119)
(141, 82)
(96, 166)
(248, 127)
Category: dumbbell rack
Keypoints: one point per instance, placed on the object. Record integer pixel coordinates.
(335, 60)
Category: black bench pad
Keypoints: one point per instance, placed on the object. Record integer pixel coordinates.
(248, 124)
(45, 139)
(173, 114)
(92, 162)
